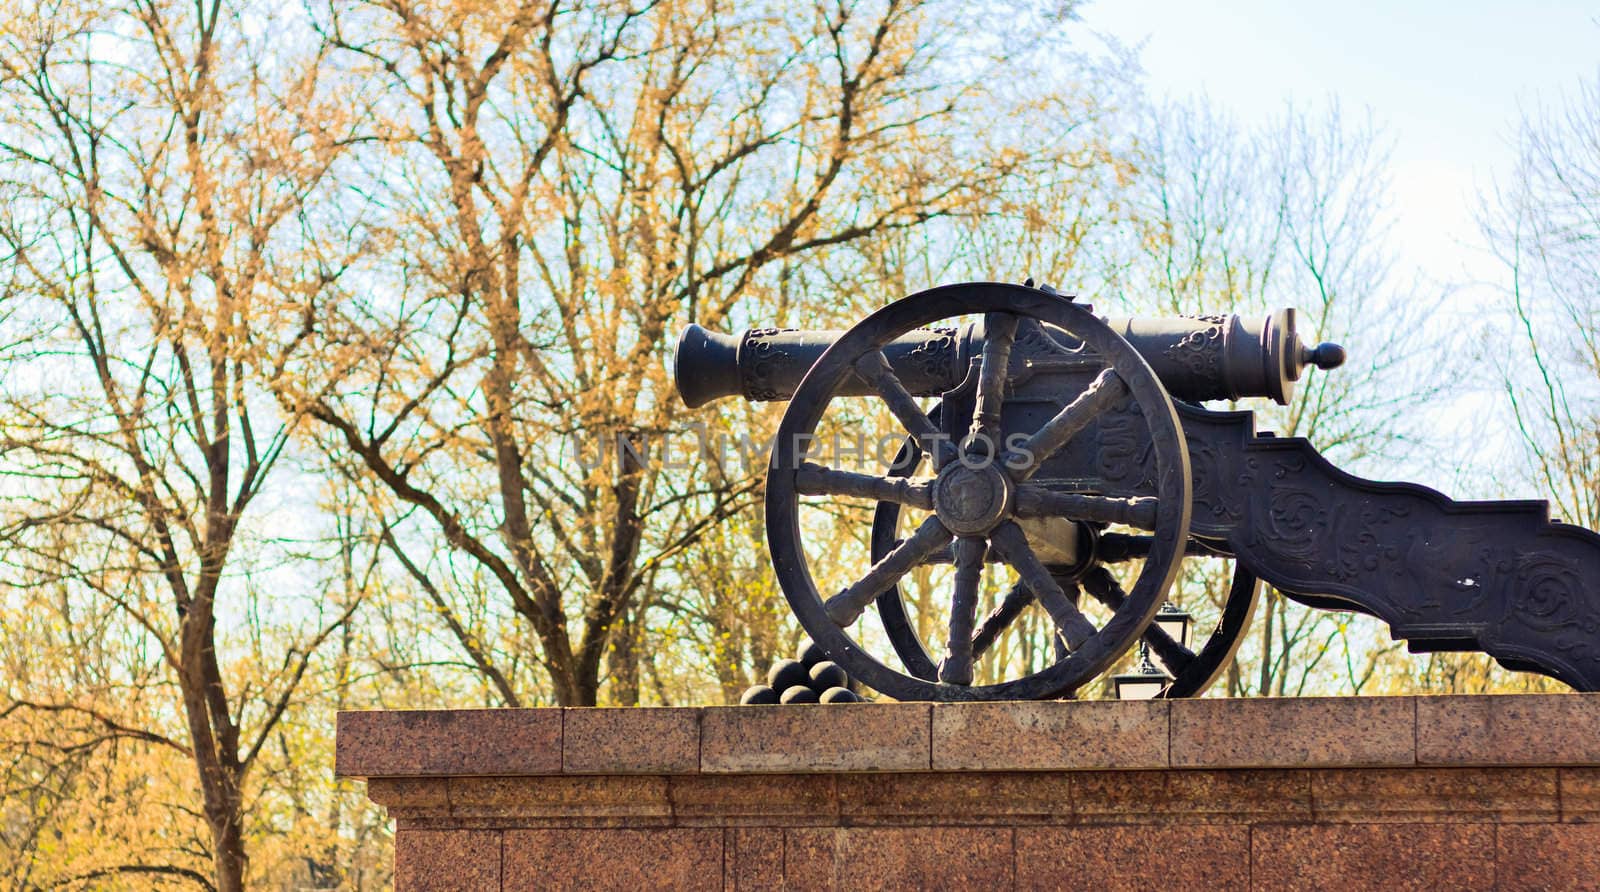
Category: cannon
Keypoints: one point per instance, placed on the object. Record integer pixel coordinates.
(1066, 446)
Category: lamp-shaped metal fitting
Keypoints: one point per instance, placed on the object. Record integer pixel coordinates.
(1175, 621)
(1145, 682)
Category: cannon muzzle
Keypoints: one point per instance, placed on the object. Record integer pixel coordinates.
(1197, 358)
(705, 366)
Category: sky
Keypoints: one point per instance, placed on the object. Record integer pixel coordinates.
(1446, 81)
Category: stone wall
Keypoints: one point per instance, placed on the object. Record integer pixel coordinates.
(1348, 793)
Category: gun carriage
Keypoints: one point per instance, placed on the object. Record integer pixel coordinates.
(1063, 444)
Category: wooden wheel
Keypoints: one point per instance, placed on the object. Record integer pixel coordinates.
(980, 489)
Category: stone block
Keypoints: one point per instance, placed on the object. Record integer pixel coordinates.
(1525, 729)
(752, 858)
(956, 798)
(1190, 797)
(662, 858)
(561, 801)
(413, 795)
(1412, 795)
(759, 799)
(1580, 794)
(1549, 856)
(923, 858)
(857, 737)
(1100, 858)
(1050, 735)
(630, 741)
(1293, 733)
(809, 856)
(413, 743)
(1355, 857)
(447, 861)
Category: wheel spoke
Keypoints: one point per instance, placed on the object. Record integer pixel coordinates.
(874, 368)
(999, 332)
(1104, 392)
(957, 665)
(816, 480)
(1011, 606)
(846, 607)
(1104, 587)
(1013, 546)
(946, 555)
(1036, 501)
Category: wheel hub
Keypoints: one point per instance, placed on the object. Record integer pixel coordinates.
(971, 501)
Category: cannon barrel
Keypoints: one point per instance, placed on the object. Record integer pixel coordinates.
(1197, 358)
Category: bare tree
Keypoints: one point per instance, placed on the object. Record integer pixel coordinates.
(155, 169)
(564, 187)
(1287, 213)
(1544, 227)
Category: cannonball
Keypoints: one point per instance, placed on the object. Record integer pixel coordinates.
(811, 654)
(785, 674)
(839, 695)
(828, 674)
(758, 695)
(798, 694)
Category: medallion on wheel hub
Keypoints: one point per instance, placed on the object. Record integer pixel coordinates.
(971, 501)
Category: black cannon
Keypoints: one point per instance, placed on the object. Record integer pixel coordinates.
(1062, 444)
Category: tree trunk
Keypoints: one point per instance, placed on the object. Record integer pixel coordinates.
(227, 837)
(625, 661)
(1264, 686)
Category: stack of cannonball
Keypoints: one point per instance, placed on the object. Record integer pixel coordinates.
(813, 678)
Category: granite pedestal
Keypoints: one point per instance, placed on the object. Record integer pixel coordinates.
(1491, 792)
